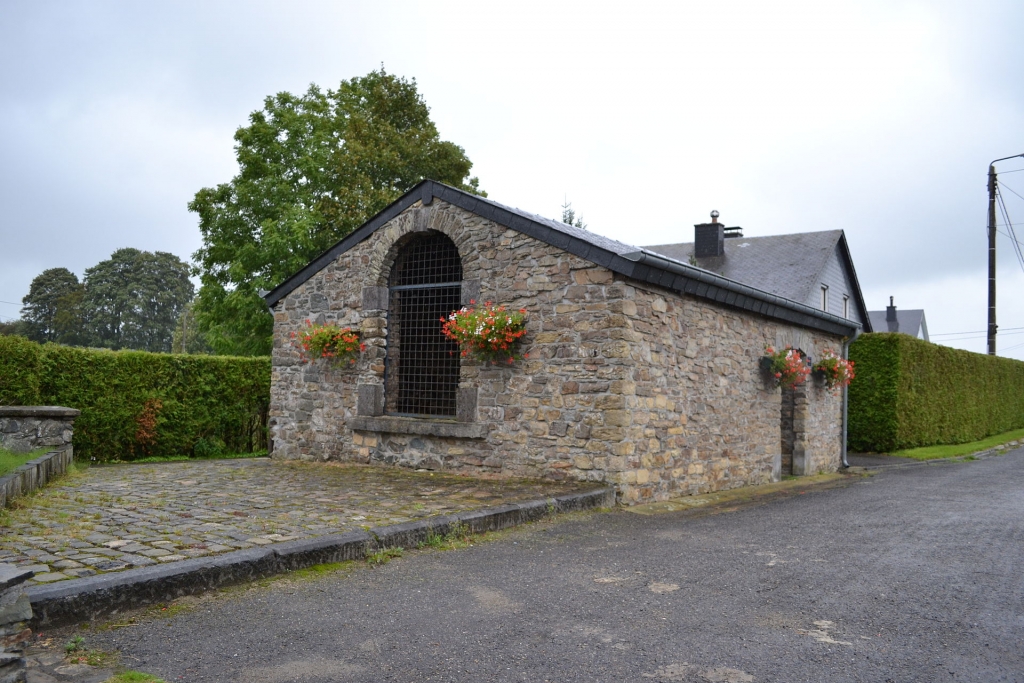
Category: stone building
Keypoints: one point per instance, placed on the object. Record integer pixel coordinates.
(642, 370)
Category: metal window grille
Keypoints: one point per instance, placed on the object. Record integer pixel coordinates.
(422, 376)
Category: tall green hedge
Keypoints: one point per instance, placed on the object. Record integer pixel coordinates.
(910, 393)
(19, 371)
(136, 404)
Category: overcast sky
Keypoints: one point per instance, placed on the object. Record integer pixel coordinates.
(876, 118)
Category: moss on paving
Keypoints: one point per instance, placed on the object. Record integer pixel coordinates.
(134, 677)
(77, 526)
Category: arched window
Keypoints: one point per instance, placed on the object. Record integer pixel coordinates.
(422, 369)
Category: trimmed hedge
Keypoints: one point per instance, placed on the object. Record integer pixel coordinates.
(19, 371)
(136, 404)
(909, 393)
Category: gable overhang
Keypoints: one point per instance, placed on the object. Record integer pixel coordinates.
(858, 296)
(639, 265)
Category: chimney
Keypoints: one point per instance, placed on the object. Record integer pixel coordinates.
(891, 320)
(709, 238)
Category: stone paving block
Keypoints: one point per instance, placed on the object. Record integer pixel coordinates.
(141, 515)
(67, 564)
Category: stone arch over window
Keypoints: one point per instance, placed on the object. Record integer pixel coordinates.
(421, 377)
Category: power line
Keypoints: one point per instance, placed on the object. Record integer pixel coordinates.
(945, 334)
(1013, 233)
(11, 303)
(974, 336)
(1007, 235)
(1015, 346)
(1010, 189)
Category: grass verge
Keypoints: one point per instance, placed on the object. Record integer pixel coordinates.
(182, 458)
(954, 450)
(11, 461)
(134, 677)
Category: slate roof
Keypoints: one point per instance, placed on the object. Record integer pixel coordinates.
(908, 321)
(788, 265)
(639, 264)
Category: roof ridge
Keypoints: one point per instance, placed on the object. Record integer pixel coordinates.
(619, 257)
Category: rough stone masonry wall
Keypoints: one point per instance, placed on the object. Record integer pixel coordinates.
(656, 393)
(26, 428)
(15, 612)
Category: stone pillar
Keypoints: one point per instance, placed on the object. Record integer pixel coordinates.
(15, 612)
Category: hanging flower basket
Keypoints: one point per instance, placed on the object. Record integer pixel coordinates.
(835, 371)
(488, 333)
(786, 368)
(338, 345)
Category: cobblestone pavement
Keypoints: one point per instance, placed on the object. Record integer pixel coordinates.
(110, 518)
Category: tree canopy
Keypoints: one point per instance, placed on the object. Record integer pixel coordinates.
(133, 300)
(312, 168)
(51, 291)
(569, 216)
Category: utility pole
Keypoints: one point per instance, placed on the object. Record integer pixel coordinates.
(992, 259)
(992, 253)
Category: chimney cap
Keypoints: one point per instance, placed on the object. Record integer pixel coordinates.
(714, 216)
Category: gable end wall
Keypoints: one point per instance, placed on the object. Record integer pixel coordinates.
(834, 275)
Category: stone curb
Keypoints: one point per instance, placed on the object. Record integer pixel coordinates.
(93, 597)
(34, 474)
(977, 455)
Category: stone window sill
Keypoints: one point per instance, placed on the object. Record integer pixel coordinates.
(422, 427)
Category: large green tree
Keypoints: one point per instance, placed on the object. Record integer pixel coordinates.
(312, 168)
(42, 305)
(133, 299)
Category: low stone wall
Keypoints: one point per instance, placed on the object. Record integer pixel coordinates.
(15, 612)
(33, 475)
(26, 428)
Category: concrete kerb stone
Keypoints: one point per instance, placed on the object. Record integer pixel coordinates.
(292, 555)
(95, 597)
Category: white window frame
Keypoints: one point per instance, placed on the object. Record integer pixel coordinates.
(824, 298)
(846, 307)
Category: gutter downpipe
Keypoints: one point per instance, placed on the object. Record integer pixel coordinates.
(846, 395)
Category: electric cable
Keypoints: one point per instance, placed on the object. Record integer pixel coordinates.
(944, 334)
(1013, 233)
(1010, 189)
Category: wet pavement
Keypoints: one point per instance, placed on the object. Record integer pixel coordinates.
(110, 518)
(906, 575)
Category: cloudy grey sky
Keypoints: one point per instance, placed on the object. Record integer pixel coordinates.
(877, 118)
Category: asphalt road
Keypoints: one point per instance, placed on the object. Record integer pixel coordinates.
(909, 575)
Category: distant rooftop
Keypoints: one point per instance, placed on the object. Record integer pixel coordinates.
(787, 265)
(908, 321)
